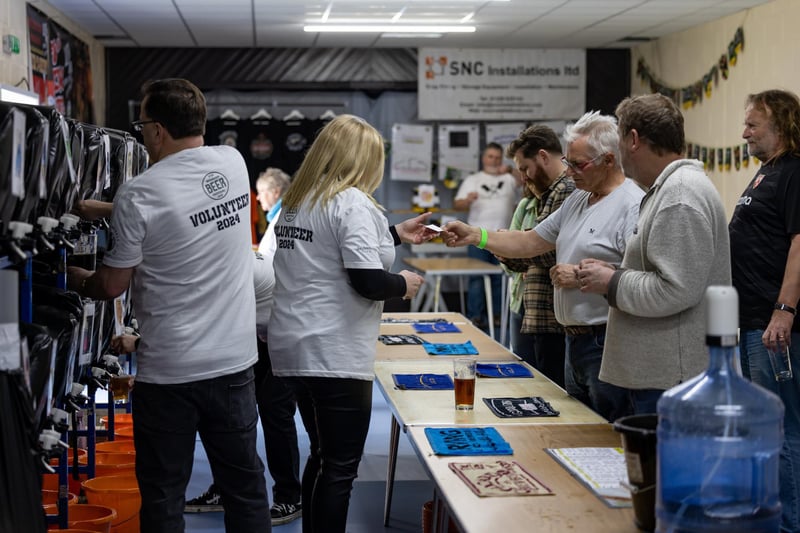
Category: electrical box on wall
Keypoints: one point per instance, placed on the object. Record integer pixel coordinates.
(10, 44)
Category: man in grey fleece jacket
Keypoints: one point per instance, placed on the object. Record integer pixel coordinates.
(656, 321)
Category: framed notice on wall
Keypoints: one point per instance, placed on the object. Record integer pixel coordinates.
(500, 84)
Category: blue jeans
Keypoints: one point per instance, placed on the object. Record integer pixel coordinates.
(581, 377)
(644, 401)
(167, 419)
(276, 407)
(756, 367)
(476, 296)
(336, 414)
(543, 351)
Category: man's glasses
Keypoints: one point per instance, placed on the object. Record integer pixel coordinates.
(138, 125)
(579, 167)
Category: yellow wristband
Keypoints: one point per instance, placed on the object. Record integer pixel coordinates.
(484, 238)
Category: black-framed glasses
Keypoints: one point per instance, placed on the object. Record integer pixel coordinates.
(579, 167)
(138, 125)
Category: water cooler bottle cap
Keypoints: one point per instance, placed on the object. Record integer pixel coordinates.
(722, 311)
(19, 229)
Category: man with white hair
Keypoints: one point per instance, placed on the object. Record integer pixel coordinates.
(595, 221)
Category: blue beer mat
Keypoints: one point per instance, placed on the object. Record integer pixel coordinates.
(450, 348)
(423, 381)
(467, 441)
(503, 370)
(438, 327)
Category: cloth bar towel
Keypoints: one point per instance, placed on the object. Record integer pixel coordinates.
(438, 327)
(423, 381)
(503, 370)
(520, 407)
(467, 441)
(449, 348)
(391, 340)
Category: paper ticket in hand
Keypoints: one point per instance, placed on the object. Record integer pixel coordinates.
(434, 227)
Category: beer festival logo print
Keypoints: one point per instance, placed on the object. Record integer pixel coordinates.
(434, 66)
(215, 185)
(261, 147)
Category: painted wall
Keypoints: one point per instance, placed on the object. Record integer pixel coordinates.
(768, 61)
(13, 68)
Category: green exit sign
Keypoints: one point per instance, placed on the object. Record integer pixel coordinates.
(10, 44)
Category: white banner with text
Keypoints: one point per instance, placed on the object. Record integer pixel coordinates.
(501, 84)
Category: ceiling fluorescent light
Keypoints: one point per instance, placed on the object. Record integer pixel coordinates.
(467, 18)
(15, 95)
(411, 35)
(327, 12)
(386, 28)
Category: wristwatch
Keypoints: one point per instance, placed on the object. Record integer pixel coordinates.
(787, 308)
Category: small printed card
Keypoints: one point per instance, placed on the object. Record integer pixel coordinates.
(520, 407)
(503, 370)
(434, 227)
(602, 470)
(423, 381)
(449, 348)
(393, 340)
(499, 478)
(467, 441)
(438, 327)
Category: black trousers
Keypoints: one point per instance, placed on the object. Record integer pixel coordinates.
(276, 407)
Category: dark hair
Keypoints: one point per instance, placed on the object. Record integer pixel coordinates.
(537, 137)
(493, 146)
(176, 104)
(656, 119)
(782, 108)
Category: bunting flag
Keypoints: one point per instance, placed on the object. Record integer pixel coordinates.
(720, 159)
(693, 94)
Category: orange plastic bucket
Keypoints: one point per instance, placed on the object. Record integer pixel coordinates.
(123, 433)
(50, 481)
(120, 420)
(120, 493)
(112, 463)
(50, 498)
(89, 517)
(118, 446)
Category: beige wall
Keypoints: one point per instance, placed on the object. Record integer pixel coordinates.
(13, 68)
(769, 61)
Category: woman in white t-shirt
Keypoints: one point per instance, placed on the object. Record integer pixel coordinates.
(334, 250)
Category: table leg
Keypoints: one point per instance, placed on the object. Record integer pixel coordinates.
(506, 312)
(487, 289)
(437, 294)
(394, 441)
(461, 295)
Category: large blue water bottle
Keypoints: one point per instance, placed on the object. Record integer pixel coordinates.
(719, 438)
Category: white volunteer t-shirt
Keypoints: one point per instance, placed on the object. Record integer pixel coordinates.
(320, 325)
(497, 199)
(184, 225)
(264, 283)
(582, 231)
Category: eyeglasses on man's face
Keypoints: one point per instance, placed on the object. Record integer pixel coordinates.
(579, 167)
(138, 125)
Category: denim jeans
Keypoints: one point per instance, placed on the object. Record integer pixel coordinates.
(581, 377)
(167, 419)
(543, 351)
(336, 414)
(756, 367)
(276, 407)
(476, 296)
(644, 401)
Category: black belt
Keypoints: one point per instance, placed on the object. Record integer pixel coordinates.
(598, 329)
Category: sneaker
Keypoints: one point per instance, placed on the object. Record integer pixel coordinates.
(208, 502)
(283, 513)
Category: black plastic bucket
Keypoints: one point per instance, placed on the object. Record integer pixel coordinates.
(639, 442)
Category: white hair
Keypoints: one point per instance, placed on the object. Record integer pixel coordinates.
(600, 131)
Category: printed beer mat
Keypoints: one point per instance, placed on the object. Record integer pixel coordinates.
(520, 407)
(467, 441)
(499, 478)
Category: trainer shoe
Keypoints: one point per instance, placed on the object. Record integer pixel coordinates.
(283, 513)
(208, 502)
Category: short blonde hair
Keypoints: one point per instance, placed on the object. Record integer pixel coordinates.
(347, 152)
